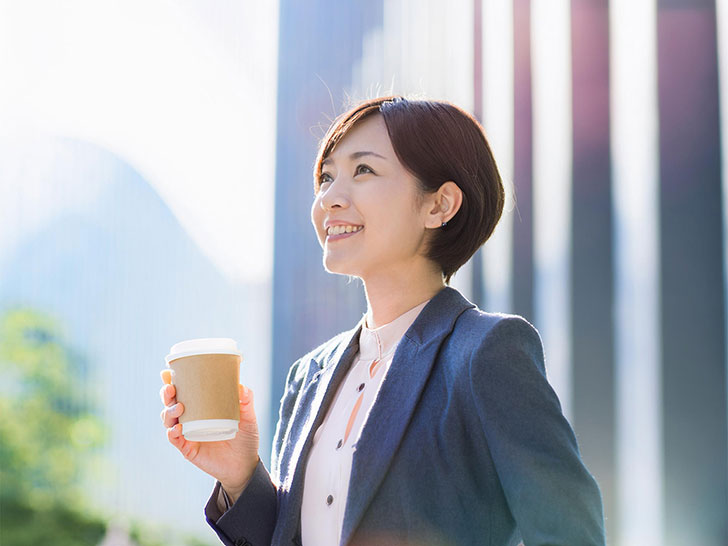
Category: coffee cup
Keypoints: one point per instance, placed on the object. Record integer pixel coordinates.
(206, 373)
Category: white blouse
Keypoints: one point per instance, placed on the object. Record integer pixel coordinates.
(328, 468)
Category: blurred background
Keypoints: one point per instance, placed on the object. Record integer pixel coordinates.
(155, 185)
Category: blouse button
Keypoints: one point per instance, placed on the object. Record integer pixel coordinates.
(360, 387)
(329, 500)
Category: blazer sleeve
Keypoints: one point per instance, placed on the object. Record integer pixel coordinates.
(251, 520)
(552, 496)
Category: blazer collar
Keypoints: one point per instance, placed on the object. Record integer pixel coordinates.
(436, 318)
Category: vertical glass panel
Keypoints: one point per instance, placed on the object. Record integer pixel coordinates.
(552, 157)
(722, 24)
(634, 144)
(497, 85)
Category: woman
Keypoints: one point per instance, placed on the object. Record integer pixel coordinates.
(430, 422)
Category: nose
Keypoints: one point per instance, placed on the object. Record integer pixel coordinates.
(334, 197)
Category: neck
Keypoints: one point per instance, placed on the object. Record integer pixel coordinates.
(389, 296)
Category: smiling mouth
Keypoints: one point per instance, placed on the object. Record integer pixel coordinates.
(338, 230)
(334, 233)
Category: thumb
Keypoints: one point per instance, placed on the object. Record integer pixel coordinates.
(247, 405)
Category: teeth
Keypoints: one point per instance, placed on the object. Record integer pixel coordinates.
(337, 230)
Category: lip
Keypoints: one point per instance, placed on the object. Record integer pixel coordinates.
(330, 223)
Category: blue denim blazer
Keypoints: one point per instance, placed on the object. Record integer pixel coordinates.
(465, 444)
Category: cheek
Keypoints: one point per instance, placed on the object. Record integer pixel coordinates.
(404, 233)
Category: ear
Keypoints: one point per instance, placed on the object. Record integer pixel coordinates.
(443, 204)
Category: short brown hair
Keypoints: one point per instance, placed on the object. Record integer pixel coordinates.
(437, 142)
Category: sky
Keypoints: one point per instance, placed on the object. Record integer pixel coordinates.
(183, 92)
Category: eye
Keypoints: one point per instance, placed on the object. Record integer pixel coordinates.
(325, 178)
(363, 169)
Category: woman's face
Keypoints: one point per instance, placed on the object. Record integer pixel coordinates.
(368, 193)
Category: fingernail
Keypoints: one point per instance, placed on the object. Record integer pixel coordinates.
(245, 391)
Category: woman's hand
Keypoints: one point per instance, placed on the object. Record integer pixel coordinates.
(232, 462)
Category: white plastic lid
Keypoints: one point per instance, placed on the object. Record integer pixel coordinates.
(203, 346)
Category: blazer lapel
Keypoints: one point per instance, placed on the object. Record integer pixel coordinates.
(316, 399)
(396, 401)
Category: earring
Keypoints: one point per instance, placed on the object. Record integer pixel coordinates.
(443, 224)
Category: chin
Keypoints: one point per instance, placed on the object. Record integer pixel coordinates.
(338, 268)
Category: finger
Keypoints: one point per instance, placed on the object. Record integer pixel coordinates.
(167, 421)
(168, 395)
(247, 405)
(170, 415)
(166, 376)
(188, 449)
(174, 435)
(245, 393)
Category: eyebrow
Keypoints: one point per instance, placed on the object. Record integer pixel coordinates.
(355, 155)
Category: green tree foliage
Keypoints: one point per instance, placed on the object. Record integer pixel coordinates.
(22, 525)
(49, 434)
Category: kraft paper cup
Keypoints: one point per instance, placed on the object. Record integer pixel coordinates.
(206, 373)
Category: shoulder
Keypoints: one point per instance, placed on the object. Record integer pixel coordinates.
(499, 338)
(512, 347)
(481, 326)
